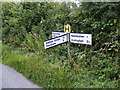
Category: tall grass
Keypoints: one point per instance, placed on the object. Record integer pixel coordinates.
(57, 74)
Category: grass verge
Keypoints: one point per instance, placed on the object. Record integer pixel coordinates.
(55, 74)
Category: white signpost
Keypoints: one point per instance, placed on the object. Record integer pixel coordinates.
(81, 38)
(55, 41)
(57, 34)
(66, 36)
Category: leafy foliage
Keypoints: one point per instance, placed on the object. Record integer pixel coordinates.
(27, 25)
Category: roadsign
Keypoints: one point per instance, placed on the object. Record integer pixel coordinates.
(57, 34)
(67, 28)
(81, 38)
(55, 41)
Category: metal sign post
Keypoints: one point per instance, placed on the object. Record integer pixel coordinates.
(68, 45)
(67, 36)
(67, 29)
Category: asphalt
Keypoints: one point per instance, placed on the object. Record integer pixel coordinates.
(9, 78)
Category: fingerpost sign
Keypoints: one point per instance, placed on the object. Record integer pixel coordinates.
(66, 36)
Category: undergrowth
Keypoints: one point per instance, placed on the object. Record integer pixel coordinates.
(48, 71)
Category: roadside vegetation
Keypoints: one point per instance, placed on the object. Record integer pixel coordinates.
(27, 25)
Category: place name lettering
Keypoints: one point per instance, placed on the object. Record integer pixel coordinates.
(76, 40)
(52, 44)
(57, 39)
(77, 36)
(49, 42)
(56, 33)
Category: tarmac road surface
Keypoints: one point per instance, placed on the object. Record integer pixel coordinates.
(12, 79)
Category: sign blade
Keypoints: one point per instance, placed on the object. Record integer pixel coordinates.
(57, 34)
(81, 38)
(55, 41)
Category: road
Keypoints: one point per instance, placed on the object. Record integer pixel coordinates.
(12, 79)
